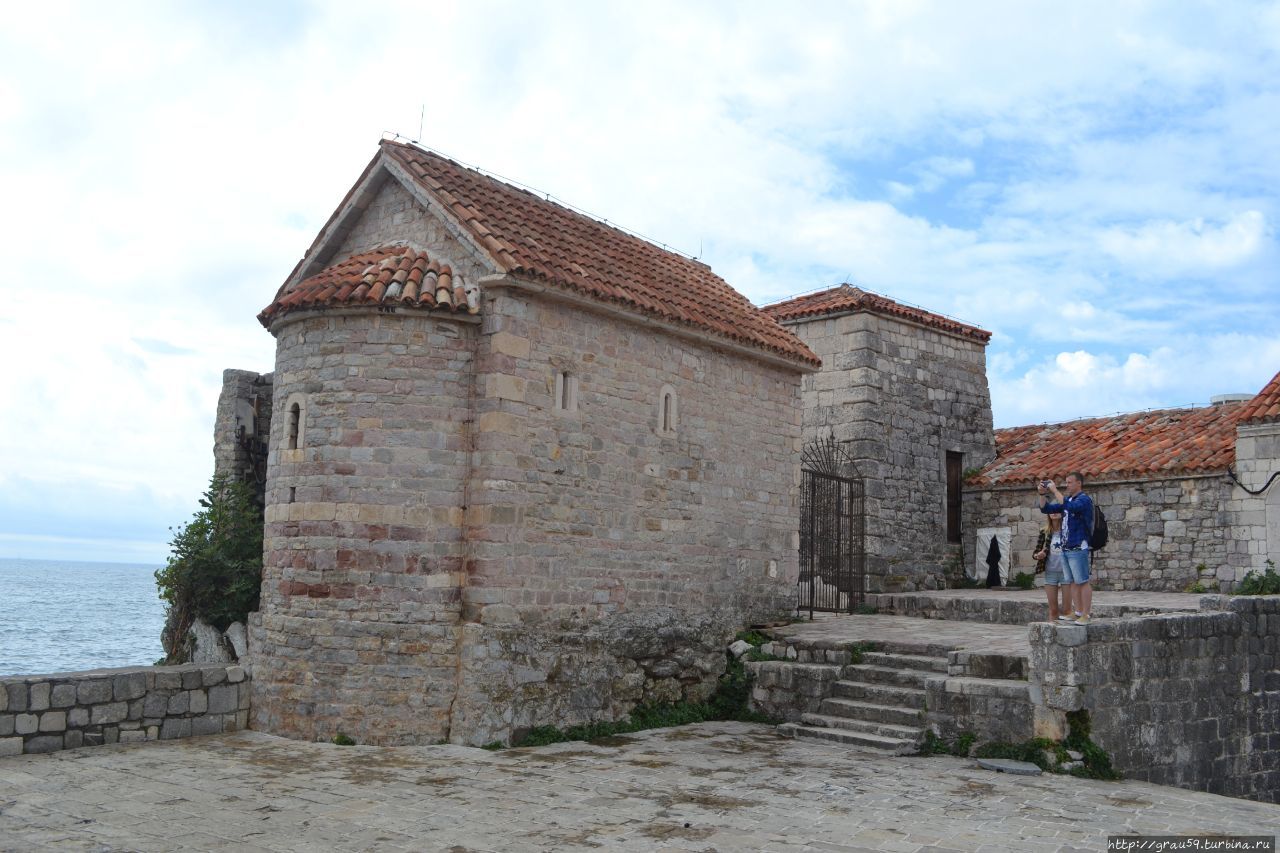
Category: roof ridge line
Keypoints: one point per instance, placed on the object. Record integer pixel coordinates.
(869, 292)
(390, 136)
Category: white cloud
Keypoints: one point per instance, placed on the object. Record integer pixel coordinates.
(1173, 248)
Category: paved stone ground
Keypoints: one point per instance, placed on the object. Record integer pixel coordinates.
(711, 787)
(982, 637)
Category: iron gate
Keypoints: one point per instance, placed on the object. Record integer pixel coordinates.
(832, 531)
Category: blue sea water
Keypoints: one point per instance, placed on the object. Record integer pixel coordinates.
(65, 616)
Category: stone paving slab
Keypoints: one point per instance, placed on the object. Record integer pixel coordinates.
(978, 637)
(710, 787)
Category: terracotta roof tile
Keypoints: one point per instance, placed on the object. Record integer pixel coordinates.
(1142, 444)
(396, 275)
(1265, 406)
(533, 237)
(847, 297)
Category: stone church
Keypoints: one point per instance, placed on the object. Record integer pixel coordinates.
(523, 468)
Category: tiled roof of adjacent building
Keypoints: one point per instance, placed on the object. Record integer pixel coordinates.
(847, 297)
(1265, 406)
(389, 275)
(536, 238)
(1137, 445)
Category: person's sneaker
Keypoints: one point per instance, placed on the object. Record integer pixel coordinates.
(1068, 618)
(1083, 620)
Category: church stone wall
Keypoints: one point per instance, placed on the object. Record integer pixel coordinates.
(899, 396)
(364, 519)
(610, 561)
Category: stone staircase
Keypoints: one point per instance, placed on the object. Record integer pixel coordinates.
(878, 704)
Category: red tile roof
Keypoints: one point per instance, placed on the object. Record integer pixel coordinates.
(1138, 445)
(1265, 406)
(533, 237)
(389, 275)
(847, 297)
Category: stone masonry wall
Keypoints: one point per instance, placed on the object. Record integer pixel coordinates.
(1254, 536)
(65, 710)
(363, 540)
(242, 427)
(899, 396)
(1191, 700)
(394, 216)
(612, 561)
(1163, 534)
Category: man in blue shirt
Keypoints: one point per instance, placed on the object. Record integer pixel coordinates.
(1077, 527)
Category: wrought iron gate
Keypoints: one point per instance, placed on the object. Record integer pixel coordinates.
(832, 530)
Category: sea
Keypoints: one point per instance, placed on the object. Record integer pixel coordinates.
(61, 616)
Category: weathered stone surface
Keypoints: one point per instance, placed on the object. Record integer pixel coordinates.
(25, 724)
(1008, 765)
(207, 644)
(223, 698)
(53, 721)
(129, 685)
(39, 696)
(93, 691)
(63, 696)
(238, 636)
(43, 743)
(112, 712)
(10, 746)
(739, 648)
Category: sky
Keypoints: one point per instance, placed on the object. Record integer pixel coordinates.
(1096, 183)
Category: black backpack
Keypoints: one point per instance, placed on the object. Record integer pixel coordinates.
(1098, 534)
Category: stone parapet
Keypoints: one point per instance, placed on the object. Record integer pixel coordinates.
(787, 691)
(992, 709)
(994, 609)
(1185, 699)
(46, 713)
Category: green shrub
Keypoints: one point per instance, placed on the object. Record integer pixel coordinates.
(1267, 583)
(214, 570)
(934, 745)
(1022, 580)
(1196, 587)
(343, 740)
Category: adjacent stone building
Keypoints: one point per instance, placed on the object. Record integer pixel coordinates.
(524, 468)
(1190, 495)
(904, 392)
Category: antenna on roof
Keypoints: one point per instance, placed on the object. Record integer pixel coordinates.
(699, 255)
(422, 117)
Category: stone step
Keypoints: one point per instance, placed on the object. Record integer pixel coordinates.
(886, 745)
(872, 674)
(880, 694)
(921, 662)
(854, 709)
(915, 734)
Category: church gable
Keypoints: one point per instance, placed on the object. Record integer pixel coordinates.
(395, 217)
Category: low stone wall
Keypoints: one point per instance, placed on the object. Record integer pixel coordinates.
(1191, 700)
(1010, 611)
(46, 713)
(786, 691)
(993, 709)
